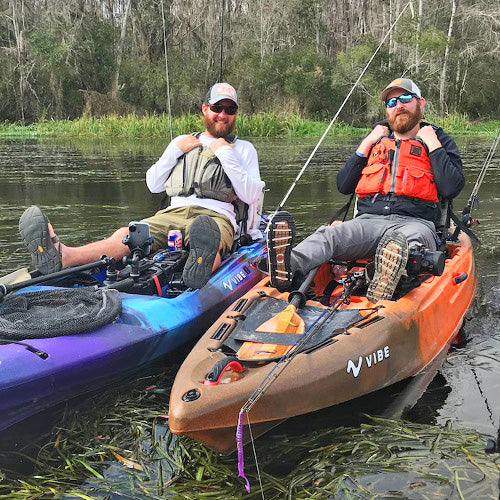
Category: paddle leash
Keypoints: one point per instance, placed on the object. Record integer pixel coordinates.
(287, 357)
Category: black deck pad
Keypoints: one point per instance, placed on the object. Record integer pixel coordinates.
(320, 325)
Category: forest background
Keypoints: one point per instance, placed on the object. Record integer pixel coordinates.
(284, 56)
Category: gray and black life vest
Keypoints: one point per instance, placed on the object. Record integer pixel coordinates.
(200, 172)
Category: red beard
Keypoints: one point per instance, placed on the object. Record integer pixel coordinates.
(404, 121)
(218, 128)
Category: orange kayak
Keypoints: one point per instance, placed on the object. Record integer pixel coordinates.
(353, 347)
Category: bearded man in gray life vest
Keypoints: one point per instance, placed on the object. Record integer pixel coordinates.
(402, 173)
(208, 176)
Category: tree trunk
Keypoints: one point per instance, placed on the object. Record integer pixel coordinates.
(419, 31)
(391, 48)
(119, 51)
(442, 82)
(18, 25)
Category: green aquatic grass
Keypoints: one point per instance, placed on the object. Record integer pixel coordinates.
(457, 123)
(257, 125)
(132, 126)
(121, 443)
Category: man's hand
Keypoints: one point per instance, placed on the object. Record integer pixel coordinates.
(218, 143)
(428, 135)
(187, 143)
(377, 133)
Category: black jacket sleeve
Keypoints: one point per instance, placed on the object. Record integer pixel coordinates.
(447, 166)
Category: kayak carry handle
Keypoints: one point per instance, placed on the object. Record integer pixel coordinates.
(228, 363)
(459, 277)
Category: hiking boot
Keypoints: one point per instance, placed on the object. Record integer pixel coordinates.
(45, 251)
(204, 243)
(280, 236)
(391, 257)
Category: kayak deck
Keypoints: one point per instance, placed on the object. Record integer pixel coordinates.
(148, 328)
(366, 348)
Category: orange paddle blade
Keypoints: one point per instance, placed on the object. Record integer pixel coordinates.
(287, 321)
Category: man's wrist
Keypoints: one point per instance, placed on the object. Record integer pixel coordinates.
(433, 145)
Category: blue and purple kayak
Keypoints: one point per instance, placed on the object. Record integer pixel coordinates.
(149, 327)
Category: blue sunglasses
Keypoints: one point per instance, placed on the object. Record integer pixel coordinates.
(403, 99)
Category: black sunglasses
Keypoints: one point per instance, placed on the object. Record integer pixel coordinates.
(403, 99)
(218, 108)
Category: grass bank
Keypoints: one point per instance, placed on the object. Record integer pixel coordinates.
(257, 125)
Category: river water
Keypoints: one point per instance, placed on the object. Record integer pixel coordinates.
(89, 188)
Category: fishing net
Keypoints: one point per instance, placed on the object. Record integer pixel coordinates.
(51, 313)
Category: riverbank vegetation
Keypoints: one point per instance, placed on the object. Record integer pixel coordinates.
(60, 60)
(257, 125)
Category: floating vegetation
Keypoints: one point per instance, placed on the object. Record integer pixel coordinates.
(120, 444)
(256, 125)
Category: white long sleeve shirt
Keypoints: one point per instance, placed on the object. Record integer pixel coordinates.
(239, 162)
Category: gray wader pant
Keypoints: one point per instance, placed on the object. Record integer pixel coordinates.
(358, 239)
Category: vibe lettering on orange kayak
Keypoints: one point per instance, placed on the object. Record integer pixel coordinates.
(370, 360)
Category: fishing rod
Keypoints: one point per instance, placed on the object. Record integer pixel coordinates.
(473, 201)
(350, 284)
(336, 115)
(6, 289)
(166, 71)
(269, 379)
(334, 119)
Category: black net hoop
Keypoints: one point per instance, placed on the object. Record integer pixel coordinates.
(51, 313)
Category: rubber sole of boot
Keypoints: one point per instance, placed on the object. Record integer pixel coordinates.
(280, 238)
(204, 242)
(391, 257)
(34, 230)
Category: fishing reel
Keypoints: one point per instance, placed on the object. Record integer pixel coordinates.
(423, 260)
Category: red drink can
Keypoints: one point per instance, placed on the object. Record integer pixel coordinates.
(174, 240)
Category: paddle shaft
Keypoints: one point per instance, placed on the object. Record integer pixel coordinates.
(5, 289)
(298, 297)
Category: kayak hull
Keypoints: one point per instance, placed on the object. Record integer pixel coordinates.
(388, 342)
(148, 328)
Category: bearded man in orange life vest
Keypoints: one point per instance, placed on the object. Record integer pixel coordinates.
(400, 172)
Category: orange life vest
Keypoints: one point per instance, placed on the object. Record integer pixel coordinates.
(399, 166)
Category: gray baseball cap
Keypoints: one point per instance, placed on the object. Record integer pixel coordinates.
(221, 91)
(401, 83)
